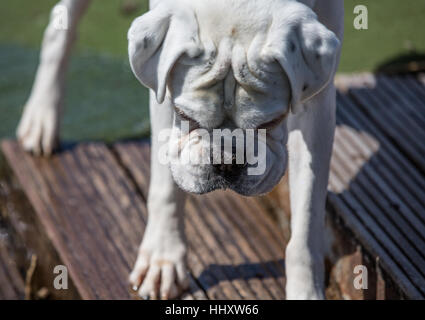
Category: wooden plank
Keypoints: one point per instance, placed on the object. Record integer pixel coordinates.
(350, 144)
(398, 92)
(365, 233)
(27, 240)
(385, 179)
(394, 105)
(250, 245)
(416, 86)
(11, 282)
(393, 202)
(68, 219)
(235, 245)
(350, 114)
(381, 188)
(358, 218)
(91, 213)
(394, 124)
(400, 233)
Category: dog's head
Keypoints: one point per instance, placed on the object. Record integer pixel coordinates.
(234, 71)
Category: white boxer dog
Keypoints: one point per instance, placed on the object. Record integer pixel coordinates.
(223, 64)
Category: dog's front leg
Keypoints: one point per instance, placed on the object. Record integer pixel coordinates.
(38, 130)
(160, 269)
(310, 146)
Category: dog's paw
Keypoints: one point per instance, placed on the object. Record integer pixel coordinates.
(160, 273)
(38, 130)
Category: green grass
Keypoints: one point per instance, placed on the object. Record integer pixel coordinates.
(103, 28)
(395, 28)
(104, 101)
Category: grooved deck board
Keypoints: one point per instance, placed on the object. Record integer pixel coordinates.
(11, 282)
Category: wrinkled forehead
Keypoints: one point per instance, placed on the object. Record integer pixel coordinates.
(226, 76)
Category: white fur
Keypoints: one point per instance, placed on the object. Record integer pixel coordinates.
(38, 129)
(226, 64)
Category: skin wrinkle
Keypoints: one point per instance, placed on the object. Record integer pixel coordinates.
(273, 123)
(256, 60)
(229, 89)
(218, 70)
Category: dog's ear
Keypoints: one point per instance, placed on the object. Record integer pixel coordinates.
(304, 48)
(158, 39)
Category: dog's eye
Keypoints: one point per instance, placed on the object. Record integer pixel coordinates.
(273, 123)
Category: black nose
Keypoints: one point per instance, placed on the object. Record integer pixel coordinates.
(229, 169)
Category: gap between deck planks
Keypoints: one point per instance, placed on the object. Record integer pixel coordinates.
(94, 212)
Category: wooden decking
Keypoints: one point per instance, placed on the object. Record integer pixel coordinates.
(377, 182)
(90, 202)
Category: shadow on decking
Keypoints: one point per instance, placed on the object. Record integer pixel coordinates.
(245, 271)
